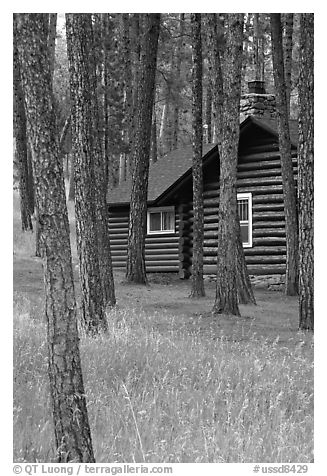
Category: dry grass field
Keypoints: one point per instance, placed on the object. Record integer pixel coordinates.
(170, 382)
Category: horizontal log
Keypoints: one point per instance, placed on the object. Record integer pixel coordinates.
(117, 236)
(266, 215)
(267, 206)
(161, 239)
(268, 232)
(117, 243)
(159, 245)
(269, 240)
(118, 231)
(210, 226)
(266, 269)
(261, 154)
(162, 252)
(268, 198)
(211, 193)
(115, 226)
(258, 250)
(158, 257)
(252, 269)
(263, 145)
(260, 172)
(260, 189)
(122, 252)
(268, 224)
(252, 260)
(242, 182)
(263, 164)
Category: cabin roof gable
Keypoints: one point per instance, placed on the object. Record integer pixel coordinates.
(175, 168)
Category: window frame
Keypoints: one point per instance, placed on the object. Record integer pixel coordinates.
(160, 210)
(247, 196)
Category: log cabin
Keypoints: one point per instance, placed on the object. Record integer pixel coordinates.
(168, 245)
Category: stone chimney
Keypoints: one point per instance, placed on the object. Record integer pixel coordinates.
(257, 102)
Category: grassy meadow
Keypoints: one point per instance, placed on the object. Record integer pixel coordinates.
(170, 382)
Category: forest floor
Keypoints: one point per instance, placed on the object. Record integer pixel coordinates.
(170, 382)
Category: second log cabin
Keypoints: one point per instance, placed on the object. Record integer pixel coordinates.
(170, 217)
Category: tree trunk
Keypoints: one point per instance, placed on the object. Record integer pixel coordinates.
(154, 146)
(71, 425)
(259, 62)
(52, 32)
(21, 143)
(197, 175)
(177, 73)
(288, 49)
(306, 172)
(87, 170)
(290, 206)
(208, 110)
(135, 270)
(226, 301)
(223, 95)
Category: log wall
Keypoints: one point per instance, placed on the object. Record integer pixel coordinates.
(259, 172)
(162, 252)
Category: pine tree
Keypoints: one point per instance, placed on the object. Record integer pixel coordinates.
(135, 270)
(21, 147)
(89, 176)
(290, 206)
(70, 419)
(197, 175)
(306, 173)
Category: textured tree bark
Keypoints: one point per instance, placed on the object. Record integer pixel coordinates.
(71, 426)
(232, 276)
(21, 143)
(154, 144)
(259, 61)
(52, 32)
(306, 172)
(208, 112)
(197, 175)
(135, 269)
(226, 300)
(290, 206)
(177, 73)
(89, 176)
(288, 49)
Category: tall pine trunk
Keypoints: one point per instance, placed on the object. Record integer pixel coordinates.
(21, 148)
(306, 172)
(226, 300)
(288, 49)
(71, 425)
(226, 92)
(197, 175)
(177, 72)
(290, 206)
(135, 269)
(89, 164)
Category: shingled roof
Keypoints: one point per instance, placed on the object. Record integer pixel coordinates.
(172, 167)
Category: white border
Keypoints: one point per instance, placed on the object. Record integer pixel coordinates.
(159, 210)
(247, 196)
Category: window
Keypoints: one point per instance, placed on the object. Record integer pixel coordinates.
(244, 202)
(161, 220)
